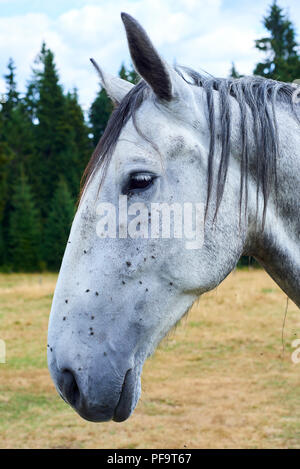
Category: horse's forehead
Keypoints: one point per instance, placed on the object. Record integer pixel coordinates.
(151, 120)
(154, 133)
(134, 149)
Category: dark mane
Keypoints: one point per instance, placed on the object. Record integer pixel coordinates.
(257, 94)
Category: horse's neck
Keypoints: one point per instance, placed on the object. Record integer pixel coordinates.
(278, 251)
(278, 247)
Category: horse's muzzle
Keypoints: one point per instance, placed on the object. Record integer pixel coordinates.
(102, 400)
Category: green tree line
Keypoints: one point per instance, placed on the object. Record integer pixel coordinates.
(46, 141)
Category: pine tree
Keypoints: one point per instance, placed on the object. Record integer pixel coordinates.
(58, 225)
(99, 114)
(12, 95)
(233, 72)
(80, 136)
(24, 229)
(129, 75)
(282, 51)
(56, 153)
(4, 158)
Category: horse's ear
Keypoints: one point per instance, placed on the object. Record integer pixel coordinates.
(146, 60)
(115, 87)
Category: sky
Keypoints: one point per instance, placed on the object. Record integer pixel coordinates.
(202, 34)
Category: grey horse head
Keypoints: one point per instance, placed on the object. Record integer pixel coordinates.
(200, 153)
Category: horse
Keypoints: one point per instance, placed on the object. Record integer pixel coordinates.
(177, 136)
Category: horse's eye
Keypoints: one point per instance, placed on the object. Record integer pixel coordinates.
(139, 182)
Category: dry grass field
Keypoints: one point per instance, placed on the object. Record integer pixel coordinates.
(220, 380)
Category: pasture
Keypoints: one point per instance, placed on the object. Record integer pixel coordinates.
(221, 379)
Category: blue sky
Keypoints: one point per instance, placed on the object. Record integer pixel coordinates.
(197, 33)
(52, 9)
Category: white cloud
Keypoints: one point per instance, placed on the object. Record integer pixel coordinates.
(196, 33)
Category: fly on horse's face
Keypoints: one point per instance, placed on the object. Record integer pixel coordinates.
(117, 296)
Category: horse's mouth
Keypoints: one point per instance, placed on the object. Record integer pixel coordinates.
(102, 400)
(105, 412)
(126, 402)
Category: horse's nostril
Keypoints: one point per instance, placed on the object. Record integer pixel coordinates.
(70, 388)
